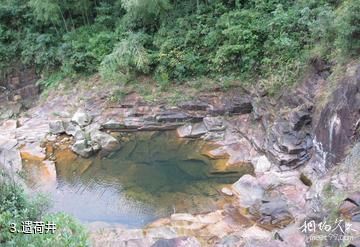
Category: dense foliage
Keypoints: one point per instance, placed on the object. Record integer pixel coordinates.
(175, 40)
(16, 207)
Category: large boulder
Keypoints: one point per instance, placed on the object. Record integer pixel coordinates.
(57, 127)
(106, 141)
(81, 118)
(82, 148)
(71, 128)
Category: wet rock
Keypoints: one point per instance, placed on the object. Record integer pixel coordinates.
(191, 130)
(214, 123)
(194, 105)
(248, 190)
(82, 148)
(177, 242)
(56, 127)
(81, 118)
(106, 141)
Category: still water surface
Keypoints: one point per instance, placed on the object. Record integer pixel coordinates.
(153, 175)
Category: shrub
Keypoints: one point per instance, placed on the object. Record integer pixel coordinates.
(129, 56)
(348, 28)
(15, 207)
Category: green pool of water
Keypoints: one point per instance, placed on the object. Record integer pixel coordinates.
(153, 175)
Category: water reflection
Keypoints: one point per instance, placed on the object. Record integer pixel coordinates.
(153, 175)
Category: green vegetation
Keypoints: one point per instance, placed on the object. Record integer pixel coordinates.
(173, 41)
(16, 207)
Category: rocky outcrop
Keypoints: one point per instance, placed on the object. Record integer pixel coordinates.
(338, 123)
(88, 140)
(289, 148)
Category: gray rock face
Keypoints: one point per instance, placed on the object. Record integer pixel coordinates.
(81, 118)
(106, 141)
(288, 147)
(57, 127)
(177, 242)
(249, 190)
(82, 148)
(335, 126)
